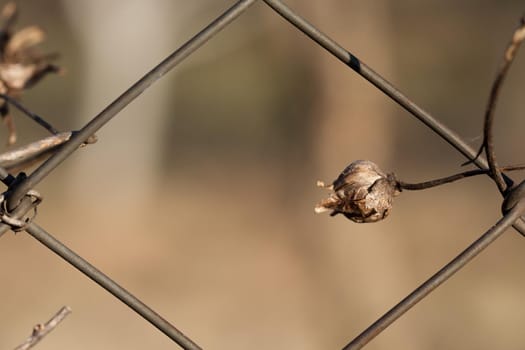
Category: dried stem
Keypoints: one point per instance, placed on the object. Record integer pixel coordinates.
(11, 128)
(452, 178)
(41, 330)
(40, 121)
(24, 156)
(488, 138)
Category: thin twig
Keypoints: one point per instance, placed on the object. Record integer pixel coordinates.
(488, 137)
(452, 178)
(41, 330)
(39, 120)
(26, 155)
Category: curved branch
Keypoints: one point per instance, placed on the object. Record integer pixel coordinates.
(41, 330)
(488, 138)
(452, 178)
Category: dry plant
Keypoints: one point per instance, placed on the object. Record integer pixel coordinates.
(21, 64)
(363, 193)
(41, 330)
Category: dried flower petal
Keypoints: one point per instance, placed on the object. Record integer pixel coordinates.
(16, 75)
(362, 193)
(23, 40)
(21, 64)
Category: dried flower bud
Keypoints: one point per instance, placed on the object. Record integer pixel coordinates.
(362, 193)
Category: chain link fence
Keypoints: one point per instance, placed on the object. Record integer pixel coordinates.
(20, 198)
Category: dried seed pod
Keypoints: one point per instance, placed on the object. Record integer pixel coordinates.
(362, 193)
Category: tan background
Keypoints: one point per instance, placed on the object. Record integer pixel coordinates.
(199, 196)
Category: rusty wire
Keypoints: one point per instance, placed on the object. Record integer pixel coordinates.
(18, 202)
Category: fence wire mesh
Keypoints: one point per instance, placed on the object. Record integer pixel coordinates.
(20, 197)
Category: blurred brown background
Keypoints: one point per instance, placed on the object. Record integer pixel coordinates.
(199, 196)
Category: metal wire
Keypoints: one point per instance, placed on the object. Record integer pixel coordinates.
(111, 286)
(129, 95)
(382, 84)
(366, 72)
(441, 276)
(25, 205)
